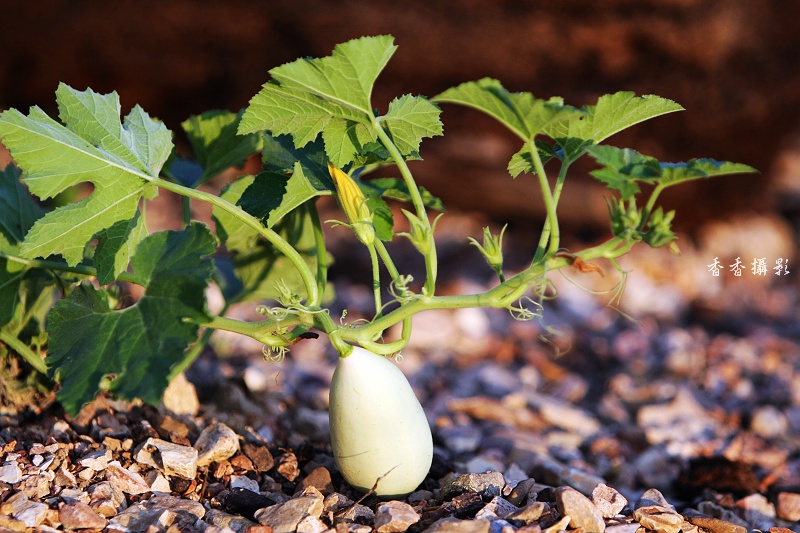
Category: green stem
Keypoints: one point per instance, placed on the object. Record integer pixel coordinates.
(376, 279)
(321, 251)
(310, 282)
(262, 331)
(416, 199)
(651, 202)
(550, 221)
(63, 267)
(24, 351)
(387, 259)
(186, 205)
(499, 296)
(562, 174)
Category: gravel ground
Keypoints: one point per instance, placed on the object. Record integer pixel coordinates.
(686, 419)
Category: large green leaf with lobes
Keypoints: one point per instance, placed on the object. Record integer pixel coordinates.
(92, 145)
(331, 97)
(137, 346)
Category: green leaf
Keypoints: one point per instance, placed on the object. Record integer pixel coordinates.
(119, 159)
(409, 120)
(331, 95)
(522, 113)
(18, 211)
(624, 168)
(136, 346)
(257, 265)
(382, 218)
(272, 195)
(215, 142)
(396, 189)
(674, 173)
(115, 247)
(280, 155)
(612, 114)
(522, 161)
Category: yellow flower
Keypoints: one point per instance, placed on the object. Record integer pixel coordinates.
(354, 204)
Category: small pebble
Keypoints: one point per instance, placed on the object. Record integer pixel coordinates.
(216, 443)
(608, 500)
(394, 517)
(583, 513)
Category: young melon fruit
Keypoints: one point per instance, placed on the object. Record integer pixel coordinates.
(378, 428)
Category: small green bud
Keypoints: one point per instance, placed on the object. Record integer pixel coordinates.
(421, 234)
(492, 248)
(624, 219)
(659, 231)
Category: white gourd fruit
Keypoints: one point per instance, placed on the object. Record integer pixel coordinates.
(378, 428)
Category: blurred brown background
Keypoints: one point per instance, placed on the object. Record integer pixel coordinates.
(733, 64)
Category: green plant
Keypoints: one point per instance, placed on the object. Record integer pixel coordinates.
(319, 134)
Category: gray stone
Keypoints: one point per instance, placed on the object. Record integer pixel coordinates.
(454, 525)
(496, 509)
(564, 415)
(217, 442)
(488, 485)
(30, 513)
(528, 514)
(519, 494)
(10, 473)
(80, 516)
(394, 517)
(106, 498)
(221, 519)
(580, 509)
(514, 475)
(127, 481)
(172, 459)
(657, 468)
(244, 482)
(556, 474)
(356, 513)
(658, 518)
(96, 460)
(608, 500)
(654, 497)
(681, 419)
(158, 514)
(717, 511)
(757, 511)
(311, 524)
(335, 501)
(461, 438)
(284, 517)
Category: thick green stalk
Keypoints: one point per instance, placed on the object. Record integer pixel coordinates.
(651, 202)
(499, 296)
(63, 267)
(549, 204)
(388, 262)
(321, 251)
(24, 351)
(376, 279)
(262, 331)
(309, 280)
(431, 260)
(562, 174)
